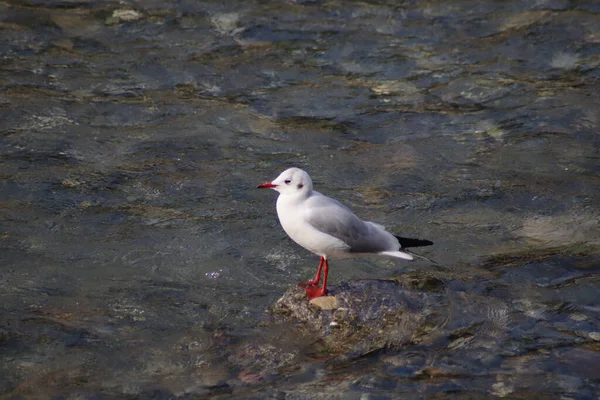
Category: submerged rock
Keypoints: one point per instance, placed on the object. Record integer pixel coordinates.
(367, 315)
(123, 15)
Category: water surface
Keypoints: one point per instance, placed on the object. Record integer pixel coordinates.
(137, 259)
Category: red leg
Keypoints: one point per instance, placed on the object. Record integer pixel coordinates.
(313, 290)
(317, 277)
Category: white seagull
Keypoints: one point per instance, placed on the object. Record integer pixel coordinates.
(329, 229)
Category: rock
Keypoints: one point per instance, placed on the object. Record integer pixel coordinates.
(65, 44)
(365, 315)
(325, 302)
(594, 336)
(122, 15)
(562, 229)
(419, 308)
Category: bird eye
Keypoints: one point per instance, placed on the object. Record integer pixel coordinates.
(288, 181)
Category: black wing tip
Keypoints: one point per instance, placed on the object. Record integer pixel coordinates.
(410, 242)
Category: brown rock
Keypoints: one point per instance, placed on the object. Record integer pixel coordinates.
(325, 302)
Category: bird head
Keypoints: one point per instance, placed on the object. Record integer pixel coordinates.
(290, 181)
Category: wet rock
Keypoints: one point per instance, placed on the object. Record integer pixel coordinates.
(123, 15)
(563, 229)
(469, 91)
(523, 20)
(365, 315)
(73, 24)
(226, 23)
(325, 302)
(64, 44)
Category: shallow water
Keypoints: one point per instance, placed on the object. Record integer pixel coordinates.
(137, 259)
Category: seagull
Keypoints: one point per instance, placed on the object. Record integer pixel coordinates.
(329, 229)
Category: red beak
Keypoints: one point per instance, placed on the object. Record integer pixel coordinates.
(266, 185)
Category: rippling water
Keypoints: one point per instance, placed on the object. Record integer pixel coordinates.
(137, 259)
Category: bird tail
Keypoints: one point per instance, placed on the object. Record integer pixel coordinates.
(398, 254)
(408, 242)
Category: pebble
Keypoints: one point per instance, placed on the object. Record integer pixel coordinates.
(325, 302)
(594, 336)
(122, 15)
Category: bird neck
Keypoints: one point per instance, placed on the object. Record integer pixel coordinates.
(293, 198)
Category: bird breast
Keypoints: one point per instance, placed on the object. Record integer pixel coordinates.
(294, 222)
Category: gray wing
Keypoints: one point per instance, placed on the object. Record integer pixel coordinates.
(333, 218)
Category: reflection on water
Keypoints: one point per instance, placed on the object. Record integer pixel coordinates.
(137, 260)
